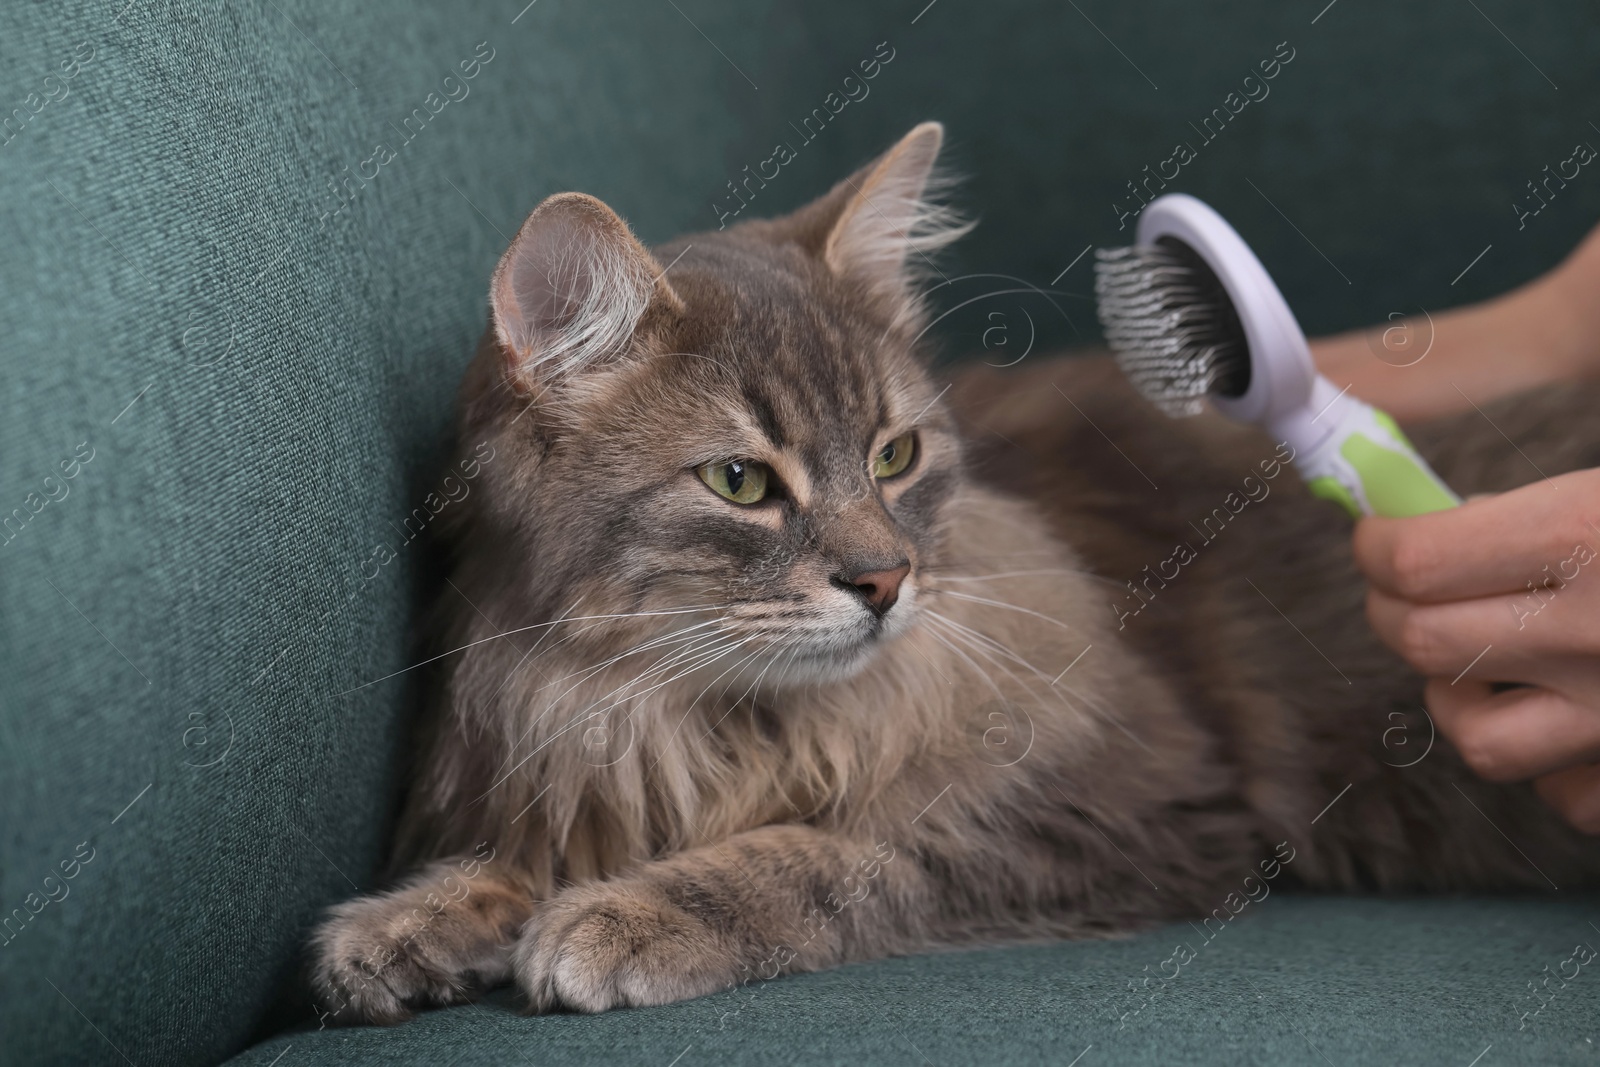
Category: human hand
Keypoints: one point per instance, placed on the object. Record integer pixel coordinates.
(1503, 589)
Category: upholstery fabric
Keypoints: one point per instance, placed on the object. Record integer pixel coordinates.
(246, 248)
(1305, 980)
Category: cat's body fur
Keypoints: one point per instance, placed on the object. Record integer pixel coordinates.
(848, 783)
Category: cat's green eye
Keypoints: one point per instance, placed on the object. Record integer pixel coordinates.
(895, 456)
(742, 481)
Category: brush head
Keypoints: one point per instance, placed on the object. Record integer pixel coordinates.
(1171, 324)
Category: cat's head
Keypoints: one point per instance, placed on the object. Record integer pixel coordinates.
(733, 440)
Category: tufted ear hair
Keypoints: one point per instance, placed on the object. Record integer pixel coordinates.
(572, 290)
(878, 227)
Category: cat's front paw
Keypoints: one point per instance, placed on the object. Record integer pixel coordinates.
(618, 944)
(378, 958)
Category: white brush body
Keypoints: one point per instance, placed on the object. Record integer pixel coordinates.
(1286, 395)
(1348, 450)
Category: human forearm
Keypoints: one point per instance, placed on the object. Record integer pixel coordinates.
(1544, 332)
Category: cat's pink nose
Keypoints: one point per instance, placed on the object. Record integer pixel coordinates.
(880, 588)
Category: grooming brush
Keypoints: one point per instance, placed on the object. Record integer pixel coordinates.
(1192, 314)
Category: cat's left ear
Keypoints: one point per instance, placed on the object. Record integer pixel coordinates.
(574, 289)
(880, 226)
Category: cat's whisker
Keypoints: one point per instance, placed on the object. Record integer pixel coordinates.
(796, 645)
(1061, 691)
(933, 571)
(675, 640)
(654, 642)
(701, 658)
(755, 686)
(732, 705)
(700, 651)
(987, 647)
(701, 662)
(693, 653)
(912, 645)
(577, 720)
(706, 651)
(578, 634)
(976, 667)
(511, 633)
(696, 355)
(1045, 555)
(512, 748)
(690, 709)
(1050, 693)
(1023, 685)
(512, 673)
(793, 653)
(998, 604)
(984, 639)
(532, 649)
(1106, 715)
(555, 703)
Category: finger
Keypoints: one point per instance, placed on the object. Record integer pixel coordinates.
(1497, 544)
(1533, 638)
(1575, 793)
(1516, 734)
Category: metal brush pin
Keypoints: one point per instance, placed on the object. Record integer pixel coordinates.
(1171, 335)
(1192, 315)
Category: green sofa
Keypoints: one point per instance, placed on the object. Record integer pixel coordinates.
(246, 249)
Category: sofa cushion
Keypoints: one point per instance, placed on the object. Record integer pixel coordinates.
(1293, 980)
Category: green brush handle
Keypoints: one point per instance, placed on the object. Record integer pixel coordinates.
(1367, 466)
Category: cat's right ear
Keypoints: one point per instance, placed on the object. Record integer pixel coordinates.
(572, 291)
